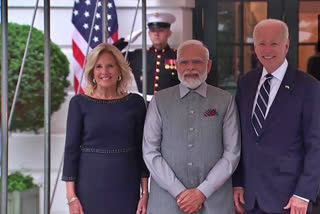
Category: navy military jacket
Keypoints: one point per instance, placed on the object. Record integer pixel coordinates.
(161, 67)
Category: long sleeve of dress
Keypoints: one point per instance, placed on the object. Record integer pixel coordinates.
(73, 141)
(139, 135)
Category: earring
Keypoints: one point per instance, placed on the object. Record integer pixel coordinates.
(94, 81)
(119, 78)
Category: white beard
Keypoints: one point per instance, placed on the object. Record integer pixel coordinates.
(192, 83)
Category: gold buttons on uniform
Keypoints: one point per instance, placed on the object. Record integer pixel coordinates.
(172, 73)
(157, 77)
(156, 85)
(157, 70)
(159, 56)
(167, 66)
(158, 63)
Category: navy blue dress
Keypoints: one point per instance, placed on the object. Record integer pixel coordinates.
(103, 152)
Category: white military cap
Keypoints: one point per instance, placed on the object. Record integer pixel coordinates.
(157, 20)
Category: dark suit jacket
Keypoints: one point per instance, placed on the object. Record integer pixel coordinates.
(285, 159)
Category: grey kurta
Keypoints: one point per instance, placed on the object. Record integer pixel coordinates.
(191, 140)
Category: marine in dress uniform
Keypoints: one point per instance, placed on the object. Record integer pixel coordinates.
(161, 67)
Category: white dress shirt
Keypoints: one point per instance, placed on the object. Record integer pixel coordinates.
(275, 83)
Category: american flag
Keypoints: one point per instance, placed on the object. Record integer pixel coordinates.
(82, 16)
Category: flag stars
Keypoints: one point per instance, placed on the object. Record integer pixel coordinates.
(82, 20)
(95, 39)
(96, 27)
(85, 26)
(82, 15)
(86, 14)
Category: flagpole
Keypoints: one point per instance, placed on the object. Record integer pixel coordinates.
(132, 27)
(4, 106)
(104, 21)
(89, 41)
(144, 50)
(22, 64)
(47, 107)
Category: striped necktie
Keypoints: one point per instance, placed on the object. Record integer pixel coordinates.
(259, 114)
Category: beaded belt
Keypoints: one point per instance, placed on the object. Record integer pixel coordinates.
(107, 151)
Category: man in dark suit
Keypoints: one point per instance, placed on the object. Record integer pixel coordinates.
(280, 122)
(161, 66)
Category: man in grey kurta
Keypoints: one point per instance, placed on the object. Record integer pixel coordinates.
(191, 141)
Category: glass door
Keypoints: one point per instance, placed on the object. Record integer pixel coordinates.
(309, 12)
(234, 53)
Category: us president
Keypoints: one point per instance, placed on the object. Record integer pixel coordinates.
(280, 121)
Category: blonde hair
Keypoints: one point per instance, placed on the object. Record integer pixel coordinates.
(124, 69)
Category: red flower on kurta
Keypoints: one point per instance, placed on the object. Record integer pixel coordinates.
(210, 113)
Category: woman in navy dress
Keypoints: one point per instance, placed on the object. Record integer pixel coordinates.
(103, 165)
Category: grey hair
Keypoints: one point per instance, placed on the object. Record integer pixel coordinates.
(285, 31)
(192, 42)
